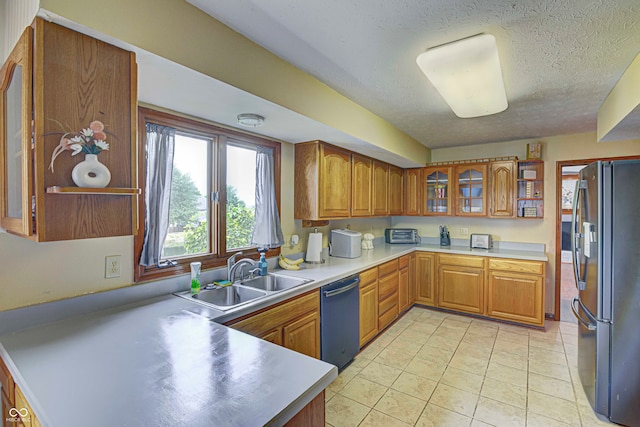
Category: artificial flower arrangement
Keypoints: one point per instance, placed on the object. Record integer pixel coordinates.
(91, 140)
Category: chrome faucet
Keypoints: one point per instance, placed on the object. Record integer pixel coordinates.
(233, 266)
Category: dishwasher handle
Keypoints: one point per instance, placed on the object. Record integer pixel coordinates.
(352, 284)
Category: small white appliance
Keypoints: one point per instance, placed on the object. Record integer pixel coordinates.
(345, 243)
(481, 241)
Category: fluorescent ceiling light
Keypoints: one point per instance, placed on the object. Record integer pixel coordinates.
(467, 74)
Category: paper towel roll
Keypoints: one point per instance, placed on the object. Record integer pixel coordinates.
(314, 248)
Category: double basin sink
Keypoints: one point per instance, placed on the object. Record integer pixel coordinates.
(231, 296)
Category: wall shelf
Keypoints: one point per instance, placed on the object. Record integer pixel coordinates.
(530, 190)
(109, 191)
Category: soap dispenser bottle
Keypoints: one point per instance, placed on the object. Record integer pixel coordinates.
(262, 264)
(195, 277)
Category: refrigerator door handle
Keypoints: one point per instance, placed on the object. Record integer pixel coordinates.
(576, 235)
(590, 326)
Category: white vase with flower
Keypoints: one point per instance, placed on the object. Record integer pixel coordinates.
(91, 141)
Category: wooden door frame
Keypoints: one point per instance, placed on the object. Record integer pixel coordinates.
(558, 251)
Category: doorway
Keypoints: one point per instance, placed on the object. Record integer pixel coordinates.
(565, 285)
(569, 176)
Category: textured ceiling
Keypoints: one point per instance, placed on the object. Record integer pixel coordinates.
(560, 58)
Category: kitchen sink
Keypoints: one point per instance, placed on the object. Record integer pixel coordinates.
(225, 298)
(232, 296)
(274, 282)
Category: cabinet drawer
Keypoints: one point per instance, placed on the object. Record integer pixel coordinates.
(387, 304)
(388, 317)
(388, 268)
(516, 266)
(387, 286)
(368, 276)
(403, 261)
(461, 260)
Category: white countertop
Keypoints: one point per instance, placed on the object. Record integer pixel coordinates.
(163, 362)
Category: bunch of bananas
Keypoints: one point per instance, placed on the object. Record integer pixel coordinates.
(289, 264)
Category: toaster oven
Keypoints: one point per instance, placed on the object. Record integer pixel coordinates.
(401, 235)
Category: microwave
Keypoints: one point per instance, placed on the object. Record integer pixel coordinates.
(401, 235)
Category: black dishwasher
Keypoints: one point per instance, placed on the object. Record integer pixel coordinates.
(340, 321)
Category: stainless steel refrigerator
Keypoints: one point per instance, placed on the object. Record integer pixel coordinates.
(606, 257)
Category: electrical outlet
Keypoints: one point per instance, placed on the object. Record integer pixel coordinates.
(112, 266)
(464, 231)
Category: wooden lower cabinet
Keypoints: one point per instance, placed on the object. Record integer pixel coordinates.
(403, 289)
(425, 281)
(387, 293)
(294, 324)
(368, 305)
(403, 283)
(273, 336)
(302, 335)
(515, 291)
(461, 283)
(311, 415)
(413, 283)
(7, 394)
(21, 403)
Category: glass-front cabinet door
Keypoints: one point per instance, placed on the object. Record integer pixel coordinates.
(438, 186)
(471, 188)
(15, 138)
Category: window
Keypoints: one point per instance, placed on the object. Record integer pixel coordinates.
(241, 195)
(212, 202)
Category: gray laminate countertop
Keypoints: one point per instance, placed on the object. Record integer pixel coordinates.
(161, 360)
(158, 363)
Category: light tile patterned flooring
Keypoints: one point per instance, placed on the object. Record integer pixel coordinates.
(439, 369)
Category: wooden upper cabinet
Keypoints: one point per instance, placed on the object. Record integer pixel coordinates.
(16, 186)
(335, 182)
(412, 182)
(380, 188)
(361, 185)
(502, 189)
(471, 189)
(76, 80)
(322, 181)
(331, 182)
(438, 186)
(396, 191)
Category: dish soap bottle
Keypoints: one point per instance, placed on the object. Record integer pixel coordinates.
(195, 277)
(262, 264)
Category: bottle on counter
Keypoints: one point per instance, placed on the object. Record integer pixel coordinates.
(195, 277)
(262, 264)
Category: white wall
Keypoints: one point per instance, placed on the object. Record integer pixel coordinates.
(15, 16)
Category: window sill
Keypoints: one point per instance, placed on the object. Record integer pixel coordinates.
(148, 274)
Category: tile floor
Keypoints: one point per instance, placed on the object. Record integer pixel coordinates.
(437, 369)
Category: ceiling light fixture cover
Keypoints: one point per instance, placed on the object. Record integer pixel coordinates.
(250, 120)
(467, 74)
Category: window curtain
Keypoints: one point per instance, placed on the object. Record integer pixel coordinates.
(267, 233)
(160, 147)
